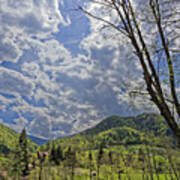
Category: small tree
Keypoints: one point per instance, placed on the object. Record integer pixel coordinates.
(110, 158)
(59, 155)
(99, 158)
(52, 155)
(71, 160)
(142, 160)
(90, 164)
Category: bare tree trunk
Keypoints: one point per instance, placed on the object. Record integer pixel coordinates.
(132, 31)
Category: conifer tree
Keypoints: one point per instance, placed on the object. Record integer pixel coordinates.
(68, 152)
(59, 155)
(56, 154)
(90, 164)
(24, 157)
(53, 153)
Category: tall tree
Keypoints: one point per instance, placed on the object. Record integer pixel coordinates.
(21, 157)
(151, 28)
(24, 157)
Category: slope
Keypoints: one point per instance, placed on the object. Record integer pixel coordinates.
(9, 139)
(151, 123)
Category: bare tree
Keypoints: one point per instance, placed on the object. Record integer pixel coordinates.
(158, 55)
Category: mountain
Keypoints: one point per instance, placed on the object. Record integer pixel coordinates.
(9, 139)
(37, 140)
(145, 122)
(142, 129)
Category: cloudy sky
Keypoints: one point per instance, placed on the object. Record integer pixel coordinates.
(58, 73)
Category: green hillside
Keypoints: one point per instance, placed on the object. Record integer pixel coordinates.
(150, 129)
(9, 139)
(116, 148)
(120, 136)
(145, 122)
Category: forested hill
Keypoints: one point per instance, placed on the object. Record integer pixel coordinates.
(112, 130)
(9, 140)
(150, 123)
(145, 128)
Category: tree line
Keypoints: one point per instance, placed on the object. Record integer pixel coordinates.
(56, 162)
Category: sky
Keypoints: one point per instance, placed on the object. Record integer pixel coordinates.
(59, 74)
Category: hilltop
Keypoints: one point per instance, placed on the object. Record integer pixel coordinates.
(153, 123)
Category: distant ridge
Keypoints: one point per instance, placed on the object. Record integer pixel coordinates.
(37, 140)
